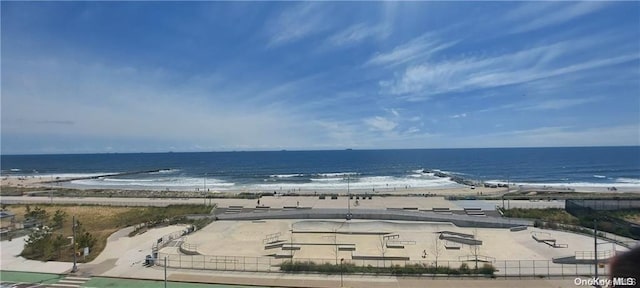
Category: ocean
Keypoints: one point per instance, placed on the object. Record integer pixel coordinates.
(318, 170)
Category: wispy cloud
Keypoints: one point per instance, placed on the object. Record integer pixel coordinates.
(571, 136)
(296, 23)
(418, 48)
(430, 78)
(103, 101)
(558, 104)
(381, 124)
(319, 75)
(357, 33)
(538, 15)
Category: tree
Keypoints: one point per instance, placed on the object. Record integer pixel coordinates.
(437, 250)
(83, 237)
(58, 243)
(383, 248)
(58, 219)
(38, 214)
(475, 249)
(38, 243)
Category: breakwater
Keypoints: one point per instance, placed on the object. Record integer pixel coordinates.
(59, 180)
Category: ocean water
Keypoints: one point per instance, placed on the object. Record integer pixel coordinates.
(317, 170)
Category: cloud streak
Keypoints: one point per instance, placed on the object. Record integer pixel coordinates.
(381, 124)
(318, 75)
(124, 109)
(296, 23)
(534, 16)
(358, 33)
(418, 48)
(429, 78)
(558, 104)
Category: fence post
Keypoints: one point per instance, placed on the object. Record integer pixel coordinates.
(562, 270)
(548, 274)
(505, 269)
(534, 268)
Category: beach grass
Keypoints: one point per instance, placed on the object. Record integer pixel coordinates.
(555, 215)
(102, 221)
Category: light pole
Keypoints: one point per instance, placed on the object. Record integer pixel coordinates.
(595, 248)
(75, 265)
(348, 198)
(291, 244)
(341, 271)
(165, 271)
(205, 189)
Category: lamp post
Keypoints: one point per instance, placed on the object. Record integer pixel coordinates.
(291, 244)
(75, 265)
(341, 271)
(348, 197)
(595, 248)
(205, 189)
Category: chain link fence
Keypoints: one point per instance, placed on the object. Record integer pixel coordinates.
(505, 268)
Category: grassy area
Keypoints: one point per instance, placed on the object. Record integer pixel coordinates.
(555, 215)
(632, 216)
(102, 221)
(612, 221)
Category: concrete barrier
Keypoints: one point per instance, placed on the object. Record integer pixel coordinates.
(374, 214)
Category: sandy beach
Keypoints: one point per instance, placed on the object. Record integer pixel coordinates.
(48, 182)
(61, 182)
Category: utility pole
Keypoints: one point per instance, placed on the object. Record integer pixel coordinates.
(595, 247)
(348, 198)
(291, 244)
(341, 271)
(75, 265)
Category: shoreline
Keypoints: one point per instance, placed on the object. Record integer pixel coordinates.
(458, 189)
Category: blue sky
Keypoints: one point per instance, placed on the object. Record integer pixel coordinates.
(208, 76)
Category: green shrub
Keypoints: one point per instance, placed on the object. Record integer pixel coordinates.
(487, 269)
(409, 269)
(464, 268)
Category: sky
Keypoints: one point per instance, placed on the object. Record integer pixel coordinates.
(101, 77)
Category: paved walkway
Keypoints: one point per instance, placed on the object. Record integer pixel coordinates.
(255, 280)
(279, 202)
(9, 251)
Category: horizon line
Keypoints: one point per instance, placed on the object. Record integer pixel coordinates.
(319, 150)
